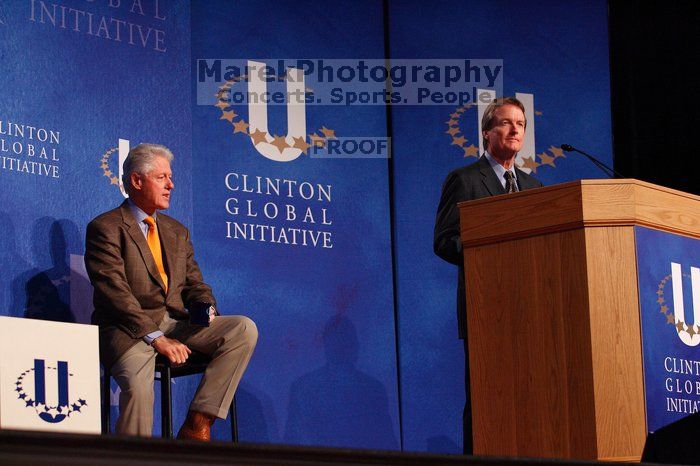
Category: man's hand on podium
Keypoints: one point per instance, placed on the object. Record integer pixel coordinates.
(173, 349)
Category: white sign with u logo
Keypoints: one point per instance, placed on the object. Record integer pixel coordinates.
(49, 376)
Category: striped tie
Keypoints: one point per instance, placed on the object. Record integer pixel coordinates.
(154, 244)
(511, 184)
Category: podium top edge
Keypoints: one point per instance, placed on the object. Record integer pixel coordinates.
(568, 185)
(579, 204)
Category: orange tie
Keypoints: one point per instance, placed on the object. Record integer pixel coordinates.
(154, 244)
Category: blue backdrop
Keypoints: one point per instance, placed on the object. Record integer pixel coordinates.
(324, 371)
(564, 65)
(73, 79)
(330, 368)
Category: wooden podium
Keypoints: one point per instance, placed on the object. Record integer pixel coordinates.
(553, 316)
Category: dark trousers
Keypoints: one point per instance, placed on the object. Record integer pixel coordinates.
(468, 442)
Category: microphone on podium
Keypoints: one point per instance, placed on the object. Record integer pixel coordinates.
(610, 172)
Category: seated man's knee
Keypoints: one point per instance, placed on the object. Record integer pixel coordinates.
(240, 331)
(253, 332)
(250, 331)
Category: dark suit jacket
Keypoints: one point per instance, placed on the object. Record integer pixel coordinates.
(463, 184)
(130, 299)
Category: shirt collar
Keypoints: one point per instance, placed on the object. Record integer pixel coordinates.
(139, 214)
(499, 169)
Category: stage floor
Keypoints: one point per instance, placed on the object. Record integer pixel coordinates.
(37, 448)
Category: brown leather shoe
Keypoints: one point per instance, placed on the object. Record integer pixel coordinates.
(197, 426)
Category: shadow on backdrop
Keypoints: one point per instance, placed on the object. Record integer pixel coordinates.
(47, 285)
(337, 404)
(256, 416)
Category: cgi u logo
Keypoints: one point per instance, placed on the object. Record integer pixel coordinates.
(528, 150)
(688, 333)
(47, 411)
(257, 111)
(40, 389)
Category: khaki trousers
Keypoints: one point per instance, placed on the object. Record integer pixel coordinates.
(229, 341)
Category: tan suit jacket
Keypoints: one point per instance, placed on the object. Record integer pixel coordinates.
(130, 298)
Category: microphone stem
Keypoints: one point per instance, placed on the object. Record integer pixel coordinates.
(608, 171)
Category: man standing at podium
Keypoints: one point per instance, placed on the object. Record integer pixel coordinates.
(150, 298)
(503, 129)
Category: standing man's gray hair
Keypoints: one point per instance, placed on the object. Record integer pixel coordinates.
(140, 160)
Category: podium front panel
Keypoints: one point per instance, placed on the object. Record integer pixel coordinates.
(669, 295)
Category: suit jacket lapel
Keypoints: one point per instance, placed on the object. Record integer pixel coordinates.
(140, 241)
(489, 178)
(525, 181)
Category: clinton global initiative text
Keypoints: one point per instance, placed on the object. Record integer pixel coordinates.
(279, 235)
(279, 211)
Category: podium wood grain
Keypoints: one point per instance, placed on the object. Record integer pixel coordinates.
(553, 316)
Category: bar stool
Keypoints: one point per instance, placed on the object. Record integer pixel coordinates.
(196, 364)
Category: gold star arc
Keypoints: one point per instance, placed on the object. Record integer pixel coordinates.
(531, 163)
(328, 133)
(460, 141)
(240, 127)
(556, 151)
(300, 143)
(279, 142)
(106, 172)
(258, 136)
(471, 151)
(679, 325)
(229, 116)
(458, 138)
(317, 140)
(546, 159)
